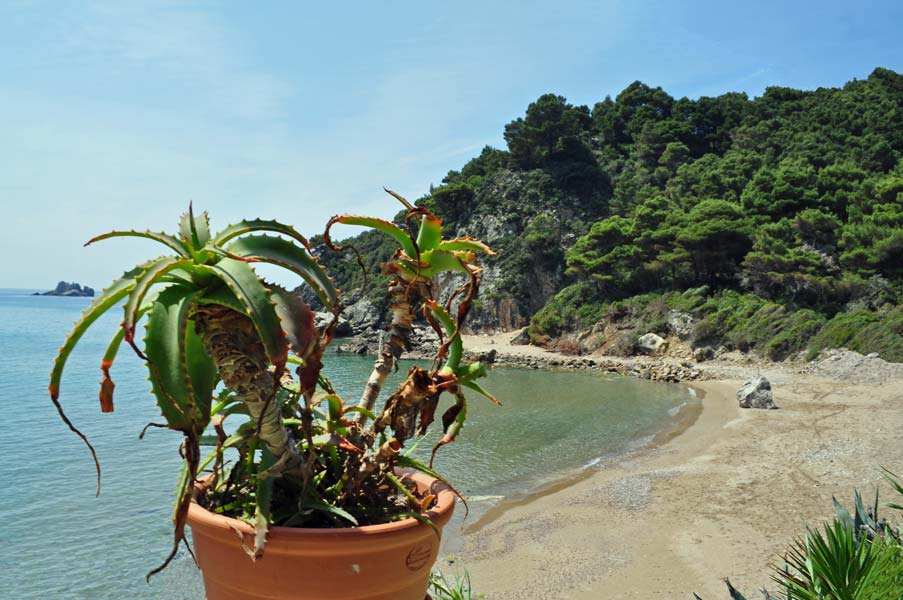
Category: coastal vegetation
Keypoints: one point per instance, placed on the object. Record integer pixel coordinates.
(775, 222)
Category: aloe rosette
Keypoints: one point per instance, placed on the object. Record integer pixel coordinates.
(211, 318)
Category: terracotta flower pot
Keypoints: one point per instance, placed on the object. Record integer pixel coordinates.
(372, 562)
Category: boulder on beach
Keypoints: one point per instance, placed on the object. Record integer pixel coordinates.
(756, 393)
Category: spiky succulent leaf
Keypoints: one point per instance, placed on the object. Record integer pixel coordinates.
(243, 227)
(106, 363)
(430, 233)
(143, 283)
(182, 374)
(466, 244)
(297, 321)
(164, 238)
(328, 509)
(895, 483)
(283, 253)
(456, 346)
(433, 262)
(336, 410)
(243, 282)
(400, 235)
(195, 230)
(106, 383)
(452, 423)
(473, 385)
(472, 372)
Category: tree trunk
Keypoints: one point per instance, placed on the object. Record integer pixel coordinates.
(233, 343)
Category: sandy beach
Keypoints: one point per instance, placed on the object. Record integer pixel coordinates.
(722, 496)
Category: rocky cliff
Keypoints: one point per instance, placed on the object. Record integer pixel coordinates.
(530, 218)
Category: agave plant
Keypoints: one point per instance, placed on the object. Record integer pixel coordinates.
(841, 564)
(296, 457)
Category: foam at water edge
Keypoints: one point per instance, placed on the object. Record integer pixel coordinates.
(674, 411)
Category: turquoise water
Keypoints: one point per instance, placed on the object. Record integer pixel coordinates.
(59, 541)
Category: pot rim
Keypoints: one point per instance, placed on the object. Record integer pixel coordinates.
(439, 514)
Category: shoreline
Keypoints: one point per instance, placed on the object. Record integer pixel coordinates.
(721, 495)
(686, 417)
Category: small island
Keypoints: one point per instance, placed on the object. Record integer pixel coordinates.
(64, 288)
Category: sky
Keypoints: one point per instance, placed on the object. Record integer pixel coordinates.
(116, 115)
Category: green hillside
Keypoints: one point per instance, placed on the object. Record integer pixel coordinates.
(777, 222)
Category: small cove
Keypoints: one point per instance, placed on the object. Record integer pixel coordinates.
(63, 542)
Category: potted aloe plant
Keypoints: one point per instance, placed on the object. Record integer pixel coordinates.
(302, 493)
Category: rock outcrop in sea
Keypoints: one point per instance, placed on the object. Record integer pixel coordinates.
(64, 288)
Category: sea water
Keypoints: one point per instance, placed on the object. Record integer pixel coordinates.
(60, 541)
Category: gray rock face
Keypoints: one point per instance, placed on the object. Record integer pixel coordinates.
(681, 324)
(342, 329)
(756, 393)
(651, 344)
(362, 316)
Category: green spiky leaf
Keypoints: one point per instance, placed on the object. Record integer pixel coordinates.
(143, 282)
(297, 321)
(467, 244)
(328, 509)
(222, 296)
(473, 385)
(195, 230)
(183, 376)
(400, 235)
(433, 262)
(430, 233)
(243, 227)
(283, 253)
(455, 344)
(164, 238)
(472, 372)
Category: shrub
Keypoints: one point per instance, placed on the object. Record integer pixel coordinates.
(573, 307)
(863, 331)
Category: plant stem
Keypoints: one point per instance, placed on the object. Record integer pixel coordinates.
(404, 297)
(231, 339)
